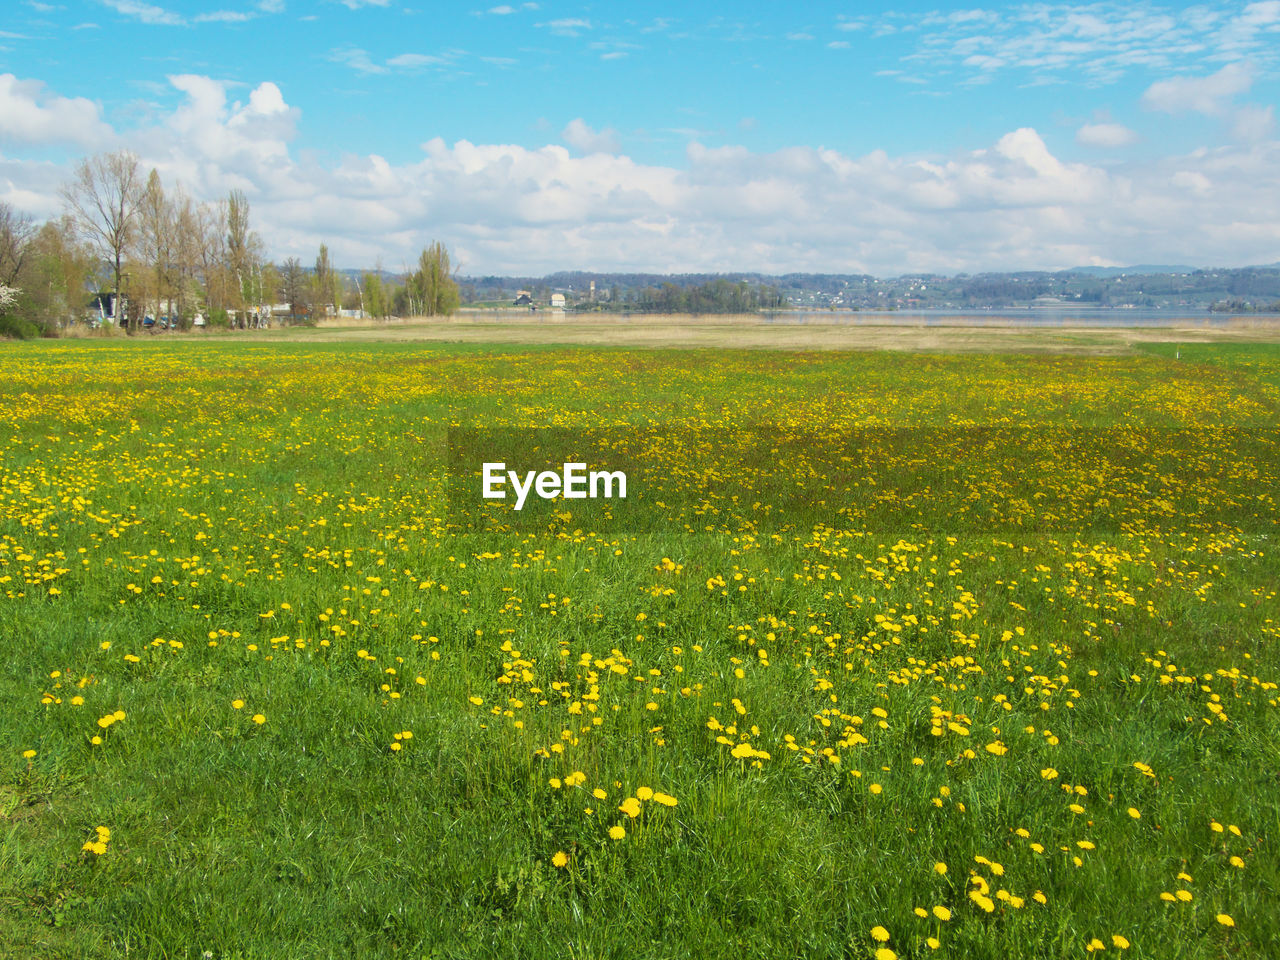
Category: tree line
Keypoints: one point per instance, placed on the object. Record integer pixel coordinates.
(124, 239)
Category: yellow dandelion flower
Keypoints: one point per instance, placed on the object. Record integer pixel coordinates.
(1119, 942)
(1167, 896)
(875, 788)
(665, 799)
(561, 859)
(884, 953)
(1135, 813)
(631, 807)
(1225, 920)
(397, 745)
(259, 719)
(934, 943)
(1184, 895)
(1095, 944)
(237, 704)
(880, 934)
(940, 867)
(942, 913)
(1236, 862)
(28, 754)
(598, 793)
(617, 832)
(644, 793)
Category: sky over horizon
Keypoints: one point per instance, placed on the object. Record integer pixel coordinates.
(662, 137)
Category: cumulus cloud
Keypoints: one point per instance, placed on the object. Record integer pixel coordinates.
(29, 114)
(1012, 204)
(582, 138)
(1105, 135)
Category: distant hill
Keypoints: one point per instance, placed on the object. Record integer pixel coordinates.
(1143, 268)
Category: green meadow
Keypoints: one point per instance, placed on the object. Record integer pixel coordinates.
(958, 655)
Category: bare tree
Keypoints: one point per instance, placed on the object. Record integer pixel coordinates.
(293, 283)
(103, 197)
(15, 235)
(156, 235)
(186, 250)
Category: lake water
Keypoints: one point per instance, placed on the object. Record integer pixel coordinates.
(1036, 316)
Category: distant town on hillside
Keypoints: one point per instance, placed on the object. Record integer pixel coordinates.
(1184, 288)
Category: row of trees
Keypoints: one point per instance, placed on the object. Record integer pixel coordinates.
(718, 296)
(125, 238)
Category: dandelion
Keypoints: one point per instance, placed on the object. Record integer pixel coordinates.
(884, 953)
(617, 832)
(644, 793)
(1119, 942)
(28, 754)
(942, 913)
(665, 799)
(940, 867)
(237, 704)
(1225, 920)
(880, 934)
(561, 859)
(1135, 813)
(631, 807)
(259, 719)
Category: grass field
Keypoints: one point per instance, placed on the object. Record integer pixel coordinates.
(974, 655)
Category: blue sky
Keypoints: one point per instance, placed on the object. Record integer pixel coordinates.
(548, 135)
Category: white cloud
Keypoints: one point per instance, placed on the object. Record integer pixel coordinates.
(146, 12)
(357, 59)
(567, 26)
(506, 208)
(414, 61)
(1099, 43)
(1105, 135)
(29, 114)
(1208, 95)
(224, 16)
(502, 11)
(582, 138)
(357, 4)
